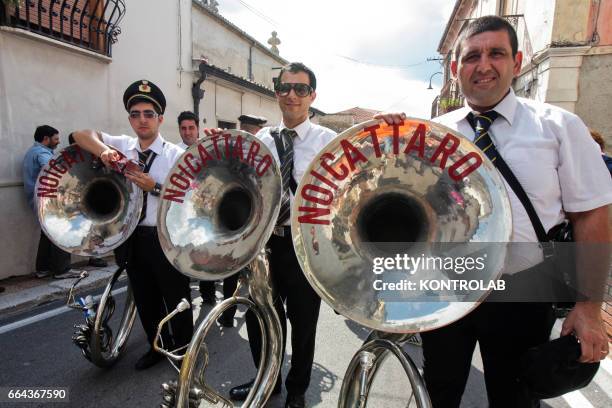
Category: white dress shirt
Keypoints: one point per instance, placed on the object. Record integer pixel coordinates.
(311, 139)
(554, 158)
(167, 154)
(182, 145)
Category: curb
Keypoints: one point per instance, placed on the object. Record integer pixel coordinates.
(22, 299)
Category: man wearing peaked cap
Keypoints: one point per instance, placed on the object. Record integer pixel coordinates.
(145, 91)
(251, 123)
(157, 286)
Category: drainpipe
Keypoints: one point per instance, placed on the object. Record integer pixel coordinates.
(196, 92)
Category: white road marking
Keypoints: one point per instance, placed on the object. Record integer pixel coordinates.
(48, 314)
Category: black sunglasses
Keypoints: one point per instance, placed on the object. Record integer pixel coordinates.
(148, 114)
(300, 90)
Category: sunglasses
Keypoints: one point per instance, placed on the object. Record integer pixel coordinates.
(300, 90)
(148, 114)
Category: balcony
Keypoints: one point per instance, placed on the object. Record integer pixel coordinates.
(89, 24)
(450, 98)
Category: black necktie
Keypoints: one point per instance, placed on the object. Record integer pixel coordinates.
(481, 124)
(144, 158)
(287, 136)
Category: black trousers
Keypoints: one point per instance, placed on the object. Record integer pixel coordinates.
(303, 306)
(504, 332)
(207, 288)
(157, 286)
(50, 257)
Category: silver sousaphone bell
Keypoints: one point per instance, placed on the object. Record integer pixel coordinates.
(88, 209)
(417, 190)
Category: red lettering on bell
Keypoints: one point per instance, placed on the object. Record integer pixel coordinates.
(447, 146)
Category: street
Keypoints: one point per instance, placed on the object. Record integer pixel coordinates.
(38, 352)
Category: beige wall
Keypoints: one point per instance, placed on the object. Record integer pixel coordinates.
(595, 95)
(226, 49)
(571, 21)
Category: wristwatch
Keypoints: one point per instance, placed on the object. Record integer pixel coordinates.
(156, 190)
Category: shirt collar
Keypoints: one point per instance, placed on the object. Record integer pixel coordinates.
(157, 146)
(301, 129)
(43, 146)
(505, 108)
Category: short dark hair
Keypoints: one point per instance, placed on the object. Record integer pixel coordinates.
(188, 115)
(296, 67)
(487, 23)
(44, 131)
(71, 138)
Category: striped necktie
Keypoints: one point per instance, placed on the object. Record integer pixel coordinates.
(481, 124)
(144, 158)
(287, 136)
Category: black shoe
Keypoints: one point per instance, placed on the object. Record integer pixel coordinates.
(295, 401)
(97, 262)
(240, 392)
(226, 321)
(148, 360)
(208, 299)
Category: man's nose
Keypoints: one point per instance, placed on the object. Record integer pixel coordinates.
(484, 63)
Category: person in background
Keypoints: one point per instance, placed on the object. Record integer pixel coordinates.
(251, 123)
(51, 261)
(598, 138)
(189, 129)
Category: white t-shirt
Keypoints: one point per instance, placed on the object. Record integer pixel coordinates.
(554, 158)
(311, 139)
(167, 154)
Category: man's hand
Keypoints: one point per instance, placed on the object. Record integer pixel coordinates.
(109, 157)
(213, 132)
(586, 323)
(142, 180)
(392, 118)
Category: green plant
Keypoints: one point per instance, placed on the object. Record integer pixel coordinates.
(446, 103)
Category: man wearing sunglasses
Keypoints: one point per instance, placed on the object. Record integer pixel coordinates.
(298, 141)
(157, 286)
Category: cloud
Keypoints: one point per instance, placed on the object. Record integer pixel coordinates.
(379, 34)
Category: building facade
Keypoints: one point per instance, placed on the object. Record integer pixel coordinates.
(567, 54)
(66, 63)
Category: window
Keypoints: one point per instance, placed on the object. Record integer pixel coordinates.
(226, 125)
(91, 24)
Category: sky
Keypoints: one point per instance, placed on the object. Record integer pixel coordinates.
(371, 54)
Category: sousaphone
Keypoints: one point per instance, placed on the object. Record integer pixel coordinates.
(88, 209)
(218, 207)
(393, 193)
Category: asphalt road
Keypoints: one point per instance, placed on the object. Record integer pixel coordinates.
(36, 351)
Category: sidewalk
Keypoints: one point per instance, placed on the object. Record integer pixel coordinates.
(25, 292)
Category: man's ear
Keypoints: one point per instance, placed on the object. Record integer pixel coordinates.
(518, 61)
(161, 119)
(313, 95)
(453, 67)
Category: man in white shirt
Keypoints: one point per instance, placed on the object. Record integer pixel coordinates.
(157, 286)
(302, 140)
(189, 129)
(550, 152)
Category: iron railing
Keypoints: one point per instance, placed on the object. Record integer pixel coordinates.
(450, 98)
(90, 24)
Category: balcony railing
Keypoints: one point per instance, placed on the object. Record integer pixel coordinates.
(90, 24)
(450, 98)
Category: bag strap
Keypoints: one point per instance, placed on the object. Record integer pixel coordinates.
(513, 182)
